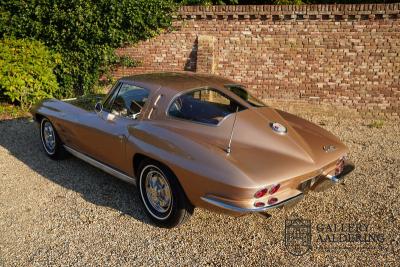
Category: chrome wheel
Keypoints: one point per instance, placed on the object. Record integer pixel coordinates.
(48, 137)
(158, 191)
(161, 194)
(52, 144)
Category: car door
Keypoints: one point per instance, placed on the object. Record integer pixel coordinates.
(108, 132)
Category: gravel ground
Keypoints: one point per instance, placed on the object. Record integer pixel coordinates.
(69, 213)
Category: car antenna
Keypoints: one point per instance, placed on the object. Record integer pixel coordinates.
(228, 149)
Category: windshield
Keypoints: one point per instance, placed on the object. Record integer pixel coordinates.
(245, 95)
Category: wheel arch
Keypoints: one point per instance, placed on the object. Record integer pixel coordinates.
(39, 117)
(139, 157)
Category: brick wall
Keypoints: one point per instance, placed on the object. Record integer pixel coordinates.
(338, 54)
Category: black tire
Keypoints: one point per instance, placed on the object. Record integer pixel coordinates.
(56, 151)
(178, 211)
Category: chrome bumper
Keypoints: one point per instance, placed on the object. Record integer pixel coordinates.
(289, 196)
(348, 167)
(297, 196)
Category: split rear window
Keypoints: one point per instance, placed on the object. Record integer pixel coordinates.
(245, 95)
(206, 105)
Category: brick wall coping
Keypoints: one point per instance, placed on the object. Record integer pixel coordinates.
(337, 12)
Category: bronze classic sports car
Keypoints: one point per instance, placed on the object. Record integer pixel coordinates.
(189, 140)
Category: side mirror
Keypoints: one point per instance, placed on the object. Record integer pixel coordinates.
(98, 107)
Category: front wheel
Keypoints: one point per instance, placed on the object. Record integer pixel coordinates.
(51, 142)
(161, 194)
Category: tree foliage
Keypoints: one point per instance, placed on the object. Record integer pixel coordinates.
(26, 71)
(84, 32)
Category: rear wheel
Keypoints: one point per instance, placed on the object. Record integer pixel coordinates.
(161, 194)
(51, 142)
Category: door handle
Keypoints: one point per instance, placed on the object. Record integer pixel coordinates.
(121, 137)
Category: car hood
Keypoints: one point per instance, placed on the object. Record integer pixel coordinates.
(260, 153)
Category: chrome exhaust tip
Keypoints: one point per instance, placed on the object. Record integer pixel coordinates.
(348, 167)
(324, 182)
(264, 215)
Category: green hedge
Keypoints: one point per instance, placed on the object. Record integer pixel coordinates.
(26, 71)
(84, 32)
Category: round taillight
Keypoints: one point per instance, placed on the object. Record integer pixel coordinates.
(259, 204)
(272, 200)
(274, 189)
(261, 193)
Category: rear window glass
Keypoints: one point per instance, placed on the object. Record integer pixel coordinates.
(208, 106)
(245, 95)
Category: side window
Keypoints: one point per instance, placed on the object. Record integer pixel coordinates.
(129, 101)
(204, 105)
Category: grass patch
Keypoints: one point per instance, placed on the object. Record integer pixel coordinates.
(376, 124)
(8, 112)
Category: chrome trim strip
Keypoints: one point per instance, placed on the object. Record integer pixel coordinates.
(157, 99)
(224, 205)
(101, 166)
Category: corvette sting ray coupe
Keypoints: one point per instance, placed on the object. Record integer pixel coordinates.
(190, 140)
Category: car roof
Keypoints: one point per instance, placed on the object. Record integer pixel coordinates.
(177, 81)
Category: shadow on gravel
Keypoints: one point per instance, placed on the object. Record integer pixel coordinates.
(21, 138)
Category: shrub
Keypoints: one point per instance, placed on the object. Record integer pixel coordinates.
(84, 32)
(26, 71)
